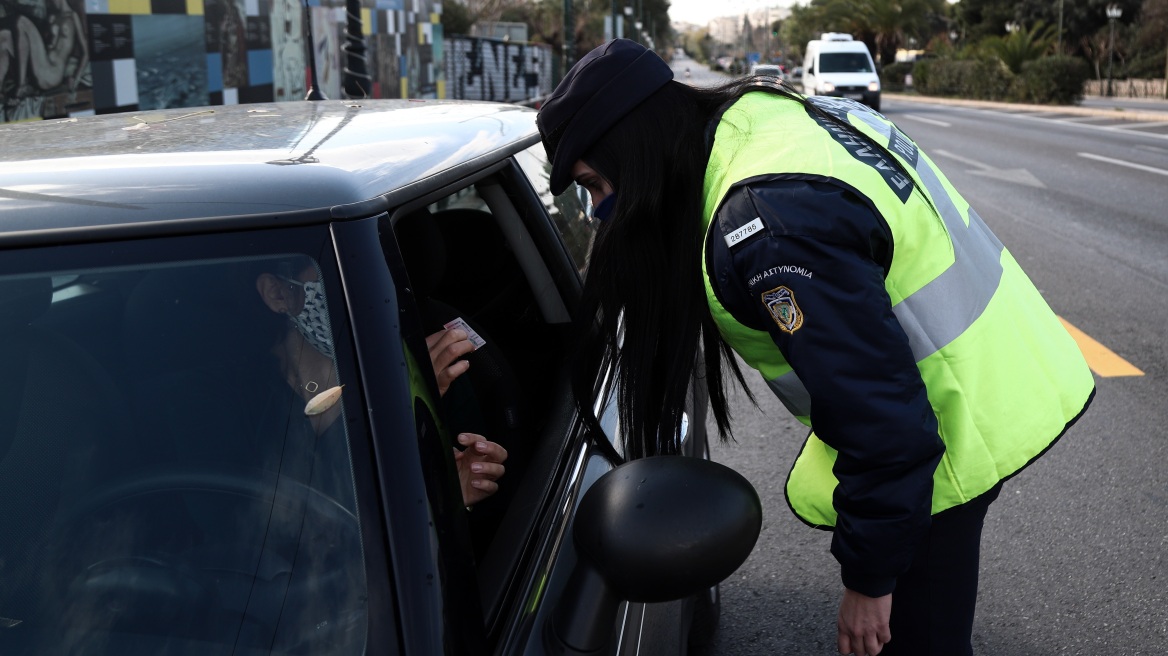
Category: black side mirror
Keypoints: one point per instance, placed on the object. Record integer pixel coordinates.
(652, 530)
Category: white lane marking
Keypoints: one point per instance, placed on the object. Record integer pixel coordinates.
(930, 121)
(1128, 126)
(1086, 126)
(1018, 176)
(970, 162)
(1120, 162)
(1086, 119)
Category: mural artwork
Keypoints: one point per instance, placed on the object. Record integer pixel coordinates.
(492, 69)
(44, 59)
(326, 32)
(171, 70)
(288, 75)
(61, 58)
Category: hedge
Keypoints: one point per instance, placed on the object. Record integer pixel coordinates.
(1058, 80)
(963, 78)
(1049, 80)
(892, 76)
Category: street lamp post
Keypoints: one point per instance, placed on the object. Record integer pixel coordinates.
(612, 19)
(569, 35)
(1060, 29)
(1114, 11)
(766, 35)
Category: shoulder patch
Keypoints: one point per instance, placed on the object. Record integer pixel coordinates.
(780, 302)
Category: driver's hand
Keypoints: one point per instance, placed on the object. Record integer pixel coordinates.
(479, 466)
(446, 347)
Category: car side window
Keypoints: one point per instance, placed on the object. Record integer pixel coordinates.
(571, 211)
(462, 268)
(471, 255)
(175, 473)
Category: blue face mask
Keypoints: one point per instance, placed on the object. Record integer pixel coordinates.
(603, 209)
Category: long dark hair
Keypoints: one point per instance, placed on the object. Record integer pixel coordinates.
(644, 311)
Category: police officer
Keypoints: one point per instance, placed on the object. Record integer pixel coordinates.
(815, 240)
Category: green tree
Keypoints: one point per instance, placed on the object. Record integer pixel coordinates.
(1021, 45)
(1150, 41)
(456, 18)
(1082, 19)
(545, 19)
(799, 28)
(893, 23)
(885, 25)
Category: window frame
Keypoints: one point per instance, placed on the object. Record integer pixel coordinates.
(316, 242)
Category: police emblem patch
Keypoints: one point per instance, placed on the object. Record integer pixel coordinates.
(780, 302)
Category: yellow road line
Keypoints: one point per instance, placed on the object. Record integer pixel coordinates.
(1102, 360)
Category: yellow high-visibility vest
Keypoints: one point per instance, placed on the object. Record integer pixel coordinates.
(1003, 376)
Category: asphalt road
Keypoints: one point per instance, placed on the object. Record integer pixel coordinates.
(1075, 551)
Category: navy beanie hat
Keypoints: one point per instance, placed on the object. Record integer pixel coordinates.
(598, 91)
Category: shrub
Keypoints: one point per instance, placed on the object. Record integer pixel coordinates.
(1053, 80)
(892, 76)
(964, 78)
(921, 74)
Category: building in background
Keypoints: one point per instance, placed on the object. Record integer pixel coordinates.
(507, 31)
(61, 58)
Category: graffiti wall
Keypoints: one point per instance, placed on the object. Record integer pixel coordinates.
(61, 58)
(493, 69)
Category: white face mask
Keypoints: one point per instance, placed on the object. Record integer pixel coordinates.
(312, 322)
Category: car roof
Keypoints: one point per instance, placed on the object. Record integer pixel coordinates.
(840, 46)
(165, 168)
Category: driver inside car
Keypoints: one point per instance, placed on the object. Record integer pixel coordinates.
(304, 355)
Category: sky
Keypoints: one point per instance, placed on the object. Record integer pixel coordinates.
(701, 11)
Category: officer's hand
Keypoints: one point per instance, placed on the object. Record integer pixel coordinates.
(863, 624)
(445, 347)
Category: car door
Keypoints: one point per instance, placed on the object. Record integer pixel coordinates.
(498, 251)
(660, 628)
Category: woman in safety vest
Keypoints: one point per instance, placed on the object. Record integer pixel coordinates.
(811, 237)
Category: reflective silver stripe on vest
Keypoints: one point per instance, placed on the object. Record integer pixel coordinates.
(792, 393)
(938, 313)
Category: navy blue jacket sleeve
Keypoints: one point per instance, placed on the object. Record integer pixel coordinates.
(831, 250)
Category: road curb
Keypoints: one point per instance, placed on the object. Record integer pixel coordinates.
(1117, 114)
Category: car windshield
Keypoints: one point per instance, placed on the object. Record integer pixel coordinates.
(162, 487)
(844, 62)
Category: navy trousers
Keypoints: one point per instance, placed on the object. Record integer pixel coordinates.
(933, 604)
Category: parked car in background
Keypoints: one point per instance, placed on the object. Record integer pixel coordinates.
(796, 78)
(172, 481)
(836, 65)
(773, 70)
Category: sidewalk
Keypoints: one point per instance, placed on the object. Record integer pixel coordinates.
(1152, 114)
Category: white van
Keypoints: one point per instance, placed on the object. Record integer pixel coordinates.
(837, 65)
